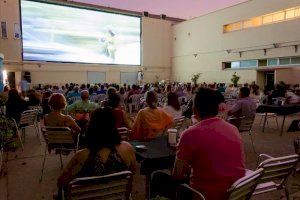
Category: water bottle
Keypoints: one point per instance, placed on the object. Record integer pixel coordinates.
(172, 137)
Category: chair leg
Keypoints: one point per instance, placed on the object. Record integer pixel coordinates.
(37, 130)
(287, 195)
(61, 161)
(252, 142)
(23, 134)
(43, 166)
(276, 122)
(20, 139)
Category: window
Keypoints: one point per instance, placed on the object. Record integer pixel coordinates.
(270, 18)
(278, 17)
(262, 63)
(284, 61)
(235, 64)
(295, 60)
(248, 63)
(267, 19)
(272, 61)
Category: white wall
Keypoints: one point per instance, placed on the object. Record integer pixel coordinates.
(156, 51)
(204, 36)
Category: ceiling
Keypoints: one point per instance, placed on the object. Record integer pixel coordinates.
(183, 9)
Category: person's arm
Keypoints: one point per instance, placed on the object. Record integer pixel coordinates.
(184, 156)
(72, 124)
(71, 170)
(235, 110)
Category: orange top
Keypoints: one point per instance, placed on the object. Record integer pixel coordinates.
(150, 123)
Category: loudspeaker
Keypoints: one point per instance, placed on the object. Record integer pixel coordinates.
(27, 77)
(145, 14)
(163, 16)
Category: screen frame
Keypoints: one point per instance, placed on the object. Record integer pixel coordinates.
(80, 6)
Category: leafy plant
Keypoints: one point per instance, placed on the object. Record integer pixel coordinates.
(7, 130)
(235, 79)
(195, 78)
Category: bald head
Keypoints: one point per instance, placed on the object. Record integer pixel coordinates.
(84, 95)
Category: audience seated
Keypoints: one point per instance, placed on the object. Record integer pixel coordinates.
(151, 121)
(210, 153)
(104, 153)
(82, 106)
(173, 106)
(120, 117)
(244, 106)
(15, 105)
(57, 103)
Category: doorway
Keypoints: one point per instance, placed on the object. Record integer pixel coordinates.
(11, 79)
(269, 79)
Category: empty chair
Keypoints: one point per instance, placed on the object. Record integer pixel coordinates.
(59, 139)
(29, 118)
(185, 192)
(112, 186)
(275, 173)
(243, 188)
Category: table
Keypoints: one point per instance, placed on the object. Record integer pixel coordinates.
(279, 110)
(157, 156)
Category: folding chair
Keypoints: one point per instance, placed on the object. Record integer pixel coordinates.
(59, 139)
(178, 122)
(246, 126)
(29, 118)
(124, 133)
(243, 188)
(112, 186)
(275, 173)
(184, 191)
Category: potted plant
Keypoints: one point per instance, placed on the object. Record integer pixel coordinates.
(195, 78)
(235, 79)
(7, 140)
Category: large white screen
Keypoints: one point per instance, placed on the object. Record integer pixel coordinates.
(58, 33)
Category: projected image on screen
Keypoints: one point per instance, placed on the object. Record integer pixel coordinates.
(66, 34)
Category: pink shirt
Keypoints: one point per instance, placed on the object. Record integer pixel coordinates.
(215, 152)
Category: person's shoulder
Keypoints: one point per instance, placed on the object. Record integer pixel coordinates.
(125, 146)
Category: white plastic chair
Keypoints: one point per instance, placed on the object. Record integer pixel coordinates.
(124, 133)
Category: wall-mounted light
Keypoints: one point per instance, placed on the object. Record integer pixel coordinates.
(296, 48)
(195, 55)
(228, 51)
(265, 52)
(240, 54)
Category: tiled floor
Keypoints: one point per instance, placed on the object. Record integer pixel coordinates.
(24, 167)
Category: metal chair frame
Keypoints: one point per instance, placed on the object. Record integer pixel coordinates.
(60, 137)
(111, 186)
(243, 188)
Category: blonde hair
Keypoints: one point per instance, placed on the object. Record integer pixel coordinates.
(57, 101)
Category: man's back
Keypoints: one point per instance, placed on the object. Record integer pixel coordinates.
(215, 152)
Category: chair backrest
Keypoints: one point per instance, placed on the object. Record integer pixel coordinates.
(246, 124)
(178, 122)
(124, 132)
(58, 136)
(112, 186)
(278, 169)
(279, 100)
(29, 117)
(38, 108)
(184, 191)
(183, 100)
(243, 188)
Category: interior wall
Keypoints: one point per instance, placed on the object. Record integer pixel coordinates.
(199, 45)
(156, 50)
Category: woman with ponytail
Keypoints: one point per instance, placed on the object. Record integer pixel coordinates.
(151, 121)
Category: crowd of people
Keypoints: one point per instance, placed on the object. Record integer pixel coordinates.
(210, 153)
